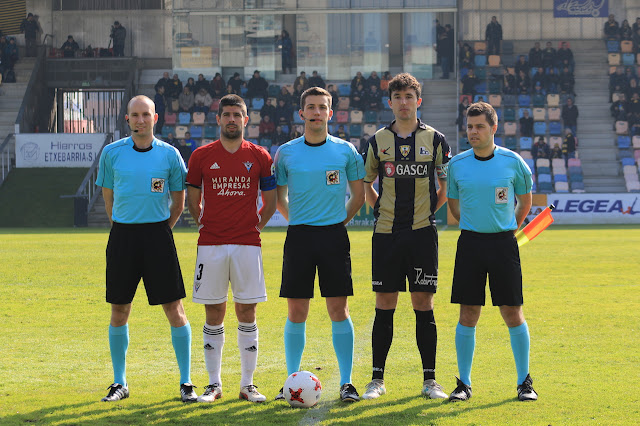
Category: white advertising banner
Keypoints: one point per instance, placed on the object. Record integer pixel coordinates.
(57, 149)
(573, 209)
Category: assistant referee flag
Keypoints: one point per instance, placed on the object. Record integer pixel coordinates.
(536, 226)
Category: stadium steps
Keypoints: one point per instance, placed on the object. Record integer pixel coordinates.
(440, 108)
(98, 216)
(596, 138)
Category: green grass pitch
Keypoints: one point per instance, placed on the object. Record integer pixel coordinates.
(582, 303)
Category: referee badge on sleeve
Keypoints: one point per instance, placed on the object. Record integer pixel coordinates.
(502, 195)
(333, 177)
(157, 185)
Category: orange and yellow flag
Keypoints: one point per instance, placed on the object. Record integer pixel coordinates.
(536, 226)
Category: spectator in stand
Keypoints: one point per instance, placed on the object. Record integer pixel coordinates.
(564, 57)
(316, 81)
(508, 88)
(174, 88)
(284, 113)
(522, 64)
(373, 80)
(202, 83)
(556, 151)
(268, 109)
(217, 86)
(570, 116)
(384, 83)
(286, 49)
(161, 108)
(548, 56)
(373, 99)
(629, 74)
(539, 77)
(11, 53)
(171, 140)
(295, 98)
(619, 108)
(636, 25)
(295, 133)
(164, 81)
(537, 89)
(634, 103)
(236, 84)
(285, 96)
(70, 47)
(493, 35)
(184, 150)
(611, 29)
(119, 35)
(535, 56)
(266, 128)
(617, 82)
(446, 48)
(466, 57)
(358, 79)
(358, 98)
(190, 142)
(566, 81)
(552, 81)
(634, 123)
(540, 149)
(302, 81)
(469, 83)
(526, 124)
(626, 33)
(508, 78)
(191, 84)
(202, 101)
(341, 133)
(186, 100)
(633, 88)
(30, 27)
(4, 62)
(279, 137)
(462, 109)
(257, 86)
(334, 96)
(523, 82)
(569, 145)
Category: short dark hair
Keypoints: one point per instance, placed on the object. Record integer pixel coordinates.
(314, 91)
(232, 100)
(405, 81)
(483, 108)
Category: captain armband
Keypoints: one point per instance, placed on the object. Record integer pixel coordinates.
(442, 170)
(268, 183)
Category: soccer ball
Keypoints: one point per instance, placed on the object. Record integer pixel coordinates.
(302, 389)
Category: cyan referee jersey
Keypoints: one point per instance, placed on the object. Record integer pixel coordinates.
(317, 177)
(141, 180)
(486, 189)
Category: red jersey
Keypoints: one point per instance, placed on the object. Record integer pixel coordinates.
(229, 183)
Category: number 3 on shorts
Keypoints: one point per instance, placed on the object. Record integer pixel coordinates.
(200, 268)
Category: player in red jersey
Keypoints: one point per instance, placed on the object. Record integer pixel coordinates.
(222, 194)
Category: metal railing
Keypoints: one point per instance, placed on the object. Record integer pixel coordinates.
(5, 158)
(34, 105)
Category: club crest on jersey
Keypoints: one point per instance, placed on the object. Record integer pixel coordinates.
(157, 185)
(333, 177)
(424, 151)
(389, 169)
(248, 165)
(502, 195)
(405, 150)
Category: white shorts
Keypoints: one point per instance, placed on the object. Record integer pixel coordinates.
(216, 266)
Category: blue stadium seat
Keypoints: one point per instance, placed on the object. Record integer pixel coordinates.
(463, 72)
(577, 186)
(628, 162)
(344, 89)
(624, 142)
(355, 131)
(480, 98)
(480, 60)
(538, 101)
(481, 73)
(257, 103)
(385, 102)
(509, 100)
(626, 153)
(386, 116)
(498, 140)
(526, 143)
(211, 117)
(273, 90)
(285, 128)
(530, 163)
(540, 128)
(522, 110)
(168, 129)
(524, 101)
(543, 177)
(499, 114)
(560, 178)
(628, 59)
(184, 118)
(545, 187)
(297, 119)
(371, 117)
(576, 177)
(211, 132)
(243, 93)
(509, 114)
(196, 132)
(555, 128)
(511, 143)
(542, 171)
(495, 86)
(481, 87)
(575, 170)
(613, 46)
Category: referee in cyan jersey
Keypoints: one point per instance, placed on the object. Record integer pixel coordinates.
(139, 176)
(483, 184)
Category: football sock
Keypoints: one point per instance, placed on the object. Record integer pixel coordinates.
(295, 336)
(520, 347)
(181, 339)
(343, 338)
(248, 345)
(465, 346)
(213, 337)
(427, 340)
(118, 344)
(381, 338)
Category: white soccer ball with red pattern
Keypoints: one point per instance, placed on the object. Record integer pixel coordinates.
(302, 389)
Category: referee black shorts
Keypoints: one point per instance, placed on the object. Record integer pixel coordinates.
(144, 251)
(494, 254)
(326, 248)
(405, 255)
